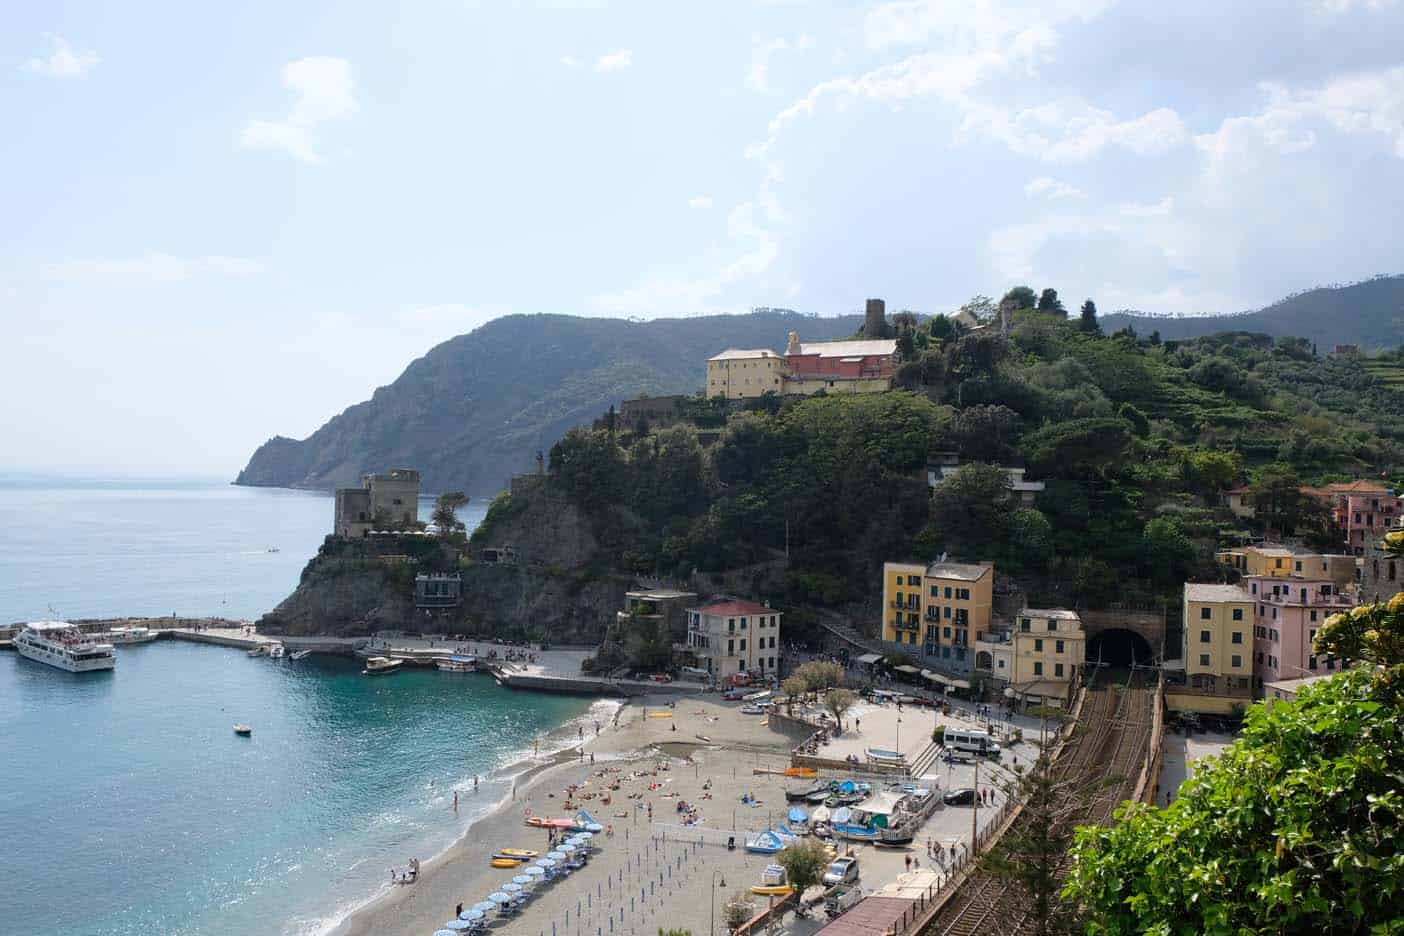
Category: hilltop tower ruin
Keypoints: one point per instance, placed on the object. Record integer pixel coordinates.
(875, 319)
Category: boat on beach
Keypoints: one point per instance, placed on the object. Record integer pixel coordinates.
(379, 666)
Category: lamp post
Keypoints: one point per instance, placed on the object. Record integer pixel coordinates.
(712, 927)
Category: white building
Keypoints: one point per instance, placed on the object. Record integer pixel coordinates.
(731, 636)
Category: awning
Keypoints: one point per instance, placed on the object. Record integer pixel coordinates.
(870, 658)
(906, 668)
(951, 681)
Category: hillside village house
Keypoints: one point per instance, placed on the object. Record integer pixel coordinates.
(1037, 656)
(1285, 562)
(729, 636)
(1218, 641)
(1287, 614)
(386, 500)
(1381, 575)
(865, 366)
(658, 606)
(944, 464)
(934, 611)
(1239, 501)
(1363, 509)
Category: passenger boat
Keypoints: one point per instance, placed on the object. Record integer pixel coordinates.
(458, 664)
(277, 651)
(125, 636)
(301, 654)
(379, 666)
(63, 646)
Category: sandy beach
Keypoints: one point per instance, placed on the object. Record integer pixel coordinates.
(652, 871)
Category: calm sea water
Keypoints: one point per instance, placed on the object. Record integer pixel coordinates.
(129, 805)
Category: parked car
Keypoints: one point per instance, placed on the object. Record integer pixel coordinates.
(735, 695)
(964, 796)
(660, 677)
(843, 871)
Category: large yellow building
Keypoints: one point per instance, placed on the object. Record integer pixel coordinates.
(742, 374)
(1043, 645)
(1218, 636)
(936, 611)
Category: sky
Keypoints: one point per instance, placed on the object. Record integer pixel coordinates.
(222, 222)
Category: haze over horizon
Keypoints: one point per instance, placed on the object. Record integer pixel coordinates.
(233, 223)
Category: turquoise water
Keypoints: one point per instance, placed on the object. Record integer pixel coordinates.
(129, 805)
(97, 548)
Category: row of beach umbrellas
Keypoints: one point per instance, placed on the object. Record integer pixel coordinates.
(514, 889)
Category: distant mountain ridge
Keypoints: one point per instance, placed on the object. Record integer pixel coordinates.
(1369, 314)
(476, 408)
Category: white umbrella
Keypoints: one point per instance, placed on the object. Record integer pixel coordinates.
(548, 863)
(536, 871)
(512, 887)
(498, 897)
(557, 856)
(523, 880)
(484, 906)
(472, 915)
(458, 925)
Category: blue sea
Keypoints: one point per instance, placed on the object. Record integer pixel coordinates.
(129, 805)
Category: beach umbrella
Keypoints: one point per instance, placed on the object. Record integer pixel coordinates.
(458, 925)
(484, 906)
(548, 863)
(536, 871)
(472, 915)
(557, 856)
(498, 897)
(444, 932)
(593, 827)
(523, 880)
(512, 887)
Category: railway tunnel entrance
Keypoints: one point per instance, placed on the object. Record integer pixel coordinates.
(1118, 648)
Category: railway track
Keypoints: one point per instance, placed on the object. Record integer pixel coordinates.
(1104, 754)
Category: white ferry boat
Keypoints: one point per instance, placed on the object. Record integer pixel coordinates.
(63, 646)
(123, 636)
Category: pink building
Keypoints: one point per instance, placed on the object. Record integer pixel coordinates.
(1287, 613)
(1363, 509)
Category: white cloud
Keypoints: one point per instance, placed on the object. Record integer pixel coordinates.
(323, 91)
(1051, 189)
(152, 269)
(1367, 104)
(762, 50)
(63, 62)
(1069, 130)
(570, 61)
(615, 61)
(700, 201)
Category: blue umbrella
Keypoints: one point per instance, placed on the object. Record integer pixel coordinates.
(523, 880)
(472, 915)
(484, 906)
(445, 932)
(556, 855)
(498, 897)
(535, 872)
(512, 887)
(458, 925)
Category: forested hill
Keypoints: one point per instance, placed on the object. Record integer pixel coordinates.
(478, 407)
(1368, 314)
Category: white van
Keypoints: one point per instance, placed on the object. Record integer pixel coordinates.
(971, 741)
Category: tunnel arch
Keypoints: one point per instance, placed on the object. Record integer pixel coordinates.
(1119, 647)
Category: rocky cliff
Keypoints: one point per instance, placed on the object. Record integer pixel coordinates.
(477, 408)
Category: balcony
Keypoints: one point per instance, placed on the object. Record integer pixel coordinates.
(899, 624)
(909, 606)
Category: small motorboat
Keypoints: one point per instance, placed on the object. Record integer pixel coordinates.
(260, 650)
(773, 882)
(301, 654)
(277, 651)
(379, 666)
(243, 731)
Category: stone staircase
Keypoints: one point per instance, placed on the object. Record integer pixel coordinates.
(925, 759)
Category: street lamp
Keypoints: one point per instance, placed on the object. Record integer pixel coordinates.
(712, 928)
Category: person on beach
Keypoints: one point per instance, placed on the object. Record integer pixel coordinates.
(475, 783)
(458, 911)
(455, 801)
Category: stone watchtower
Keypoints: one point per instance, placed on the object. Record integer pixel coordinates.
(875, 319)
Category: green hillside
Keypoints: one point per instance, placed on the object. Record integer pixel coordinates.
(1369, 314)
(477, 408)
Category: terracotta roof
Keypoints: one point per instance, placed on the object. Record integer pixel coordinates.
(731, 607)
(1358, 487)
(869, 916)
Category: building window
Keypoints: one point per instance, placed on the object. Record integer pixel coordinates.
(948, 591)
(1274, 614)
(1237, 661)
(1038, 646)
(743, 644)
(1238, 614)
(731, 648)
(1312, 615)
(946, 612)
(913, 580)
(1205, 614)
(1058, 648)
(1238, 637)
(1311, 663)
(1001, 663)
(1052, 624)
(1038, 668)
(947, 634)
(1058, 670)
(1204, 659)
(1204, 636)
(743, 623)
(730, 625)
(1025, 624)
(935, 591)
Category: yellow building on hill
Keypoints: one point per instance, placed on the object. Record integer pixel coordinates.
(1218, 636)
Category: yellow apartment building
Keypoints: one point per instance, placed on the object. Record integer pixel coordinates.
(937, 611)
(1283, 562)
(1218, 636)
(742, 374)
(1048, 645)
